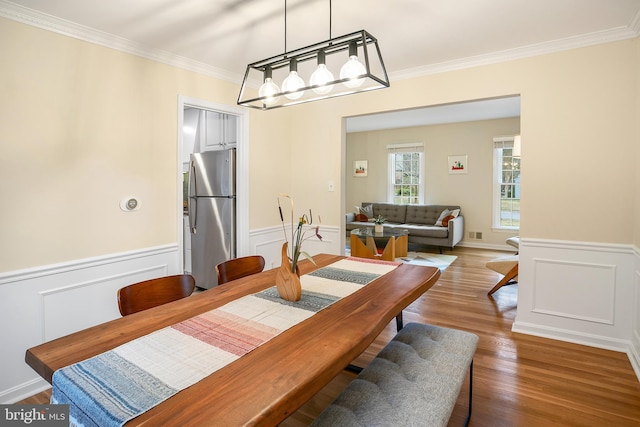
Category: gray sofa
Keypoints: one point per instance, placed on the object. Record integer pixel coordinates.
(419, 220)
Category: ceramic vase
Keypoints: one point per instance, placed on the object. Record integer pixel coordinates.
(287, 281)
(378, 228)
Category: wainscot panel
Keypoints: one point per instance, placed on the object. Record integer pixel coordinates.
(43, 303)
(579, 292)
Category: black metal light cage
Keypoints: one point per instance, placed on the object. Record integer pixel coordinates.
(336, 52)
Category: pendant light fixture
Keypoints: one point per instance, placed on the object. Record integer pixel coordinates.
(321, 77)
(292, 85)
(269, 89)
(353, 68)
(356, 74)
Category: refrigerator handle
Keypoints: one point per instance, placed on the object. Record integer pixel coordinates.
(192, 201)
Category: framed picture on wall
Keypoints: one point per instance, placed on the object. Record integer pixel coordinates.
(458, 164)
(360, 168)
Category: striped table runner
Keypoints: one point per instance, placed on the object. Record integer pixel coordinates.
(116, 386)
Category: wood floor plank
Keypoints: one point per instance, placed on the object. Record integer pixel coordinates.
(519, 380)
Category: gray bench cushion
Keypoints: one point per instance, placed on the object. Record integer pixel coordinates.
(414, 381)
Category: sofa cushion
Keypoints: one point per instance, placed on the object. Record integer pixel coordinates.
(390, 212)
(425, 214)
(425, 231)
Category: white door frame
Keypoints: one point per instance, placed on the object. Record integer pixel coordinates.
(242, 171)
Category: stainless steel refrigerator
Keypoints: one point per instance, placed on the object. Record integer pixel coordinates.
(212, 213)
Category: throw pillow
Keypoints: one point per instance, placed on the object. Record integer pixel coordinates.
(367, 210)
(361, 218)
(441, 217)
(444, 221)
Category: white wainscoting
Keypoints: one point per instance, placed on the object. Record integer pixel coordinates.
(634, 353)
(268, 243)
(44, 303)
(581, 292)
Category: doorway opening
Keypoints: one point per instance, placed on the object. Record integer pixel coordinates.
(223, 127)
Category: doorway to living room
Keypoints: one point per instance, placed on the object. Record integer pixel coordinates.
(461, 132)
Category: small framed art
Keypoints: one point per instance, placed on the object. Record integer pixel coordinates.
(458, 164)
(360, 168)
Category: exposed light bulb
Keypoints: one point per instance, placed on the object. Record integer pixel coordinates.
(352, 69)
(268, 89)
(321, 76)
(293, 82)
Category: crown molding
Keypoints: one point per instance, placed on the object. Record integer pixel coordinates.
(61, 26)
(600, 37)
(51, 23)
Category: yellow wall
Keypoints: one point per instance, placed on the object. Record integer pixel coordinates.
(578, 124)
(82, 126)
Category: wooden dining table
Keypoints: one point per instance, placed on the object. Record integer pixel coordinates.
(271, 382)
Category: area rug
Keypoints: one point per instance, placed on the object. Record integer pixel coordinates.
(423, 258)
(428, 259)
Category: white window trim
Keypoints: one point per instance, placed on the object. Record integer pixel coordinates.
(497, 170)
(410, 147)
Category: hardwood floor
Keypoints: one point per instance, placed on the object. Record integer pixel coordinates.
(519, 380)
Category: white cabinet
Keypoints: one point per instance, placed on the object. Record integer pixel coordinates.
(221, 131)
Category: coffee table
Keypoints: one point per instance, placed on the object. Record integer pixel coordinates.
(365, 241)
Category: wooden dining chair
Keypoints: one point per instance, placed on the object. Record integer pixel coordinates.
(151, 293)
(239, 267)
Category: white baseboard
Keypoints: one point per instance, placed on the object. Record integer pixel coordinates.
(590, 340)
(24, 390)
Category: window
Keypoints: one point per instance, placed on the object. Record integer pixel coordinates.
(405, 173)
(506, 185)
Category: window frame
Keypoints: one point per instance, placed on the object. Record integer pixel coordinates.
(499, 145)
(405, 148)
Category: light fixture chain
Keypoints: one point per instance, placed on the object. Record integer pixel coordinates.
(285, 25)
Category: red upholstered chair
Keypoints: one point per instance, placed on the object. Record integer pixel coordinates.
(151, 293)
(239, 267)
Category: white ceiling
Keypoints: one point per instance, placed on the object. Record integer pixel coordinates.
(416, 37)
(450, 113)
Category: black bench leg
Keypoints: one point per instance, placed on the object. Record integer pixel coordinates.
(470, 392)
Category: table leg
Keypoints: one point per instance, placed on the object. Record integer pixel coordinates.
(371, 245)
(399, 322)
(389, 253)
(402, 246)
(358, 249)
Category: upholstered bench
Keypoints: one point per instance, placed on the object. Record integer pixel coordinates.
(414, 381)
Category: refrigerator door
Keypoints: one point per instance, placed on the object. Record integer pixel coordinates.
(213, 173)
(212, 236)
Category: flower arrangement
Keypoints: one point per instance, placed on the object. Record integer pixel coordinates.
(379, 220)
(298, 235)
